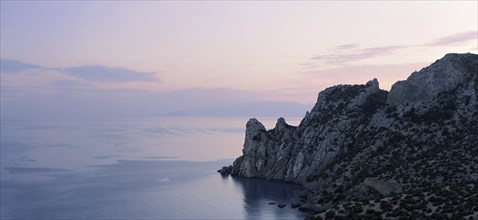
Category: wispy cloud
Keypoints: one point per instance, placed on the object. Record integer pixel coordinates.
(455, 38)
(308, 65)
(346, 53)
(347, 46)
(356, 54)
(93, 73)
(14, 66)
(100, 73)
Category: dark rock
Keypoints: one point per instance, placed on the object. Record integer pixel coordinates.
(281, 205)
(315, 208)
(225, 170)
(295, 203)
(313, 217)
(272, 203)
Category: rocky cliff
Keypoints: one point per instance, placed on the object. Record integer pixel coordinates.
(360, 143)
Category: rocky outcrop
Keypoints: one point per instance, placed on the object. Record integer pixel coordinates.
(423, 133)
(421, 89)
(295, 153)
(225, 170)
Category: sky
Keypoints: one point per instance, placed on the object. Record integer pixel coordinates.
(97, 58)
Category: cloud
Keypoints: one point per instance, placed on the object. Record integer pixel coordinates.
(455, 38)
(94, 73)
(100, 73)
(356, 54)
(308, 65)
(346, 53)
(14, 66)
(347, 46)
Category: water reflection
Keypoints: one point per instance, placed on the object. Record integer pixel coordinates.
(144, 190)
(118, 169)
(261, 196)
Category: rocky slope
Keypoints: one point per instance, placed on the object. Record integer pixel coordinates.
(363, 152)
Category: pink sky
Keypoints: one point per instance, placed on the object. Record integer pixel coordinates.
(271, 51)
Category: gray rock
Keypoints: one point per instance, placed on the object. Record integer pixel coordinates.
(358, 138)
(285, 152)
(422, 87)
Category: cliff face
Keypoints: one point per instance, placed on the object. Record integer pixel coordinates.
(294, 153)
(424, 131)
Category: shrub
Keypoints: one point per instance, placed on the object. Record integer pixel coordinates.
(330, 214)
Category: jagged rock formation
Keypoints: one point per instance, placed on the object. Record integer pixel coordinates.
(361, 143)
(294, 153)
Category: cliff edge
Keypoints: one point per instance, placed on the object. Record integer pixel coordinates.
(360, 144)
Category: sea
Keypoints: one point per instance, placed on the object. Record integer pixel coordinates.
(146, 168)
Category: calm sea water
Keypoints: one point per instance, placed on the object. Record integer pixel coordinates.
(155, 168)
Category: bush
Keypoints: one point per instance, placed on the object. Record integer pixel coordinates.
(330, 214)
(384, 205)
(357, 209)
